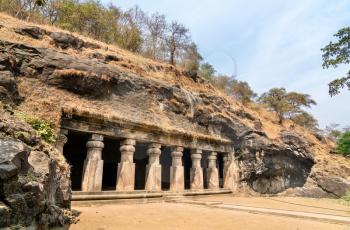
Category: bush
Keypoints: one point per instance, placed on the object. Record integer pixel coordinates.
(346, 197)
(44, 128)
(344, 144)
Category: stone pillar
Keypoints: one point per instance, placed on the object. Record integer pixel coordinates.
(177, 181)
(153, 169)
(230, 172)
(93, 165)
(212, 172)
(196, 170)
(126, 167)
(61, 140)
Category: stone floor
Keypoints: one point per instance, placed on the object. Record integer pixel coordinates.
(201, 213)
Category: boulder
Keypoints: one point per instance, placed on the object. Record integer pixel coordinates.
(32, 31)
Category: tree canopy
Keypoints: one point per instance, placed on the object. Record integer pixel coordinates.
(344, 143)
(336, 53)
(286, 105)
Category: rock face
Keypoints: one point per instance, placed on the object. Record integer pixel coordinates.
(30, 178)
(110, 85)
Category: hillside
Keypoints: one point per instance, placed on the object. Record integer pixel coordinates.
(53, 74)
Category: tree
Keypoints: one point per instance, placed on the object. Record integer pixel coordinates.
(191, 58)
(332, 131)
(286, 105)
(306, 120)
(207, 71)
(176, 40)
(156, 26)
(335, 54)
(223, 83)
(344, 144)
(242, 91)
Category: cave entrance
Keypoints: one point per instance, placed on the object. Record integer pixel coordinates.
(187, 162)
(220, 166)
(204, 164)
(165, 162)
(110, 156)
(75, 153)
(140, 160)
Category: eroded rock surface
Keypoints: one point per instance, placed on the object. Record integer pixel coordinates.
(30, 179)
(94, 81)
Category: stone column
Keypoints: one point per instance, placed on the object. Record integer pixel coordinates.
(212, 172)
(153, 169)
(93, 165)
(196, 170)
(177, 181)
(126, 167)
(61, 140)
(230, 173)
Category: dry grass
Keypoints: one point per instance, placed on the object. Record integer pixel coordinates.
(48, 102)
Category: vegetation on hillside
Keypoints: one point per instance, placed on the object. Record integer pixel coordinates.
(287, 104)
(150, 35)
(336, 53)
(344, 144)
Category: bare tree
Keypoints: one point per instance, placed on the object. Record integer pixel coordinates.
(176, 40)
(156, 26)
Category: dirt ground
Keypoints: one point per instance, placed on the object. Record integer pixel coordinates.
(164, 215)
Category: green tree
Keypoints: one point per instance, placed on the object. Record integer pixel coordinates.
(242, 91)
(336, 53)
(344, 144)
(306, 120)
(286, 105)
(207, 71)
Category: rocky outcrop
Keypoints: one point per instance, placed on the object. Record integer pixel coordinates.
(30, 178)
(95, 81)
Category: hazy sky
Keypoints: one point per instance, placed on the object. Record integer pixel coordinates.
(276, 43)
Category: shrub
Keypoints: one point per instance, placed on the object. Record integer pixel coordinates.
(44, 128)
(344, 144)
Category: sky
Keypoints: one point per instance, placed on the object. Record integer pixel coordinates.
(268, 43)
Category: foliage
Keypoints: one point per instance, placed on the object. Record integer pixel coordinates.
(242, 91)
(346, 197)
(286, 105)
(131, 29)
(344, 144)
(305, 120)
(336, 53)
(223, 83)
(332, 131)
(207, 71)
(44, 128)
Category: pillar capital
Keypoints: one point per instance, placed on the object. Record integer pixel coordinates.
(96, 137)
(128, 141)
(95, 144)
(61, 140)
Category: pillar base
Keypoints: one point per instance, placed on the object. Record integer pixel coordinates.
(92, 176)
(126, 176)
(153, 178)
(177, 182)
(196, 178)
(213, 178)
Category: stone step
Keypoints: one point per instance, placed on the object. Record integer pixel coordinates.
(111, 195)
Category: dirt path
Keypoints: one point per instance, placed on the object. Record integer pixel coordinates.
(186, 216)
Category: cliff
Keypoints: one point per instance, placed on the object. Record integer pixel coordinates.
(54, 74)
